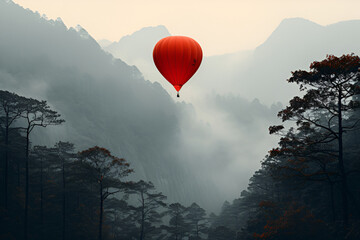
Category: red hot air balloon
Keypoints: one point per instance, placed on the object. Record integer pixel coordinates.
(177, 58)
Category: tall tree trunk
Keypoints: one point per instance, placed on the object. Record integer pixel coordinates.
(341, 165)
(41, 200)
(63, 199)
(18, 173)
(114, 226)
(142, 217)
(176, 228)
(101, 211)
(332, 201)
(6, 161)
(26, 185)
(142, 226)
(197, 230)
(354, 201)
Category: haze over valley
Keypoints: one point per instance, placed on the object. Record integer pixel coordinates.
(203, 147)
(207, 135)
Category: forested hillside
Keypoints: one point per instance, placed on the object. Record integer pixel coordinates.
(90, 149)
(58, 193)
(104, 101)
(307, 187)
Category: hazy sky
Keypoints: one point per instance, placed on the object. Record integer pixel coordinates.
(220, 26)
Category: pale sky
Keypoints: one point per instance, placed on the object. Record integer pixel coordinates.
(220, 26)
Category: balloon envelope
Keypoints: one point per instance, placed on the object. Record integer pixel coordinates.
(177, 58)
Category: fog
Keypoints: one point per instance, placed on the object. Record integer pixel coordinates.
(238, 95)
(200, 148)
(106, 102)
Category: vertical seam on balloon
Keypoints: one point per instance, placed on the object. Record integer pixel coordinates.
(175, 40)
(189, 41)
(193, 56)
(181, 62)
(165, 62)
(185, 61)
(171, 74)
(198, 57)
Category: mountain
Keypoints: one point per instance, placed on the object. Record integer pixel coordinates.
(136, 49)
(235, 136)
(262, 72)
(239, 94)
(294, 45)
(104, 43)
(134, 46)
(104, 101)
(201, 152)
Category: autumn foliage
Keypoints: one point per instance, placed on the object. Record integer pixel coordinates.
(295, 221)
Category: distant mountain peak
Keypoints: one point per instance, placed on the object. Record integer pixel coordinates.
(59, 20)
(345, 23)
(82, 32)
(79, 28)
(151, 28)
(104, 42)
(289, 25)
(7, 1)
(296, 20)
(291, 28)
(159, 30)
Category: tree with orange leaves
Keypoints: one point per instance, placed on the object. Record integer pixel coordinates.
(331, 92)
(295, 222)
(106, 170)
(301, 156)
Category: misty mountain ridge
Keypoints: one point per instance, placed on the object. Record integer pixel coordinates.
(225, 85)
(203, 151)
(295, 33)
(104, 42)
(136, 49)
(191, 155)
(255, 73)
(294, 45)
(210, 145)
(131, 47)
(104, 101)
(304, 42)
(210, 107)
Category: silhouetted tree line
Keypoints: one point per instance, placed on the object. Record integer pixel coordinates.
(308, 187)
(57, 193)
